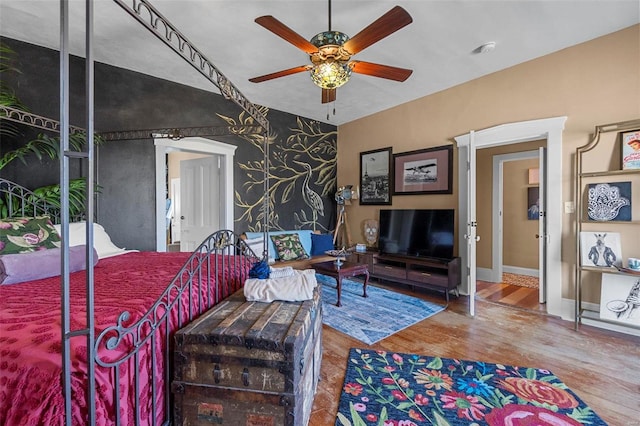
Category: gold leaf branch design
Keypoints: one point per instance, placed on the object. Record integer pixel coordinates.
(306, 143)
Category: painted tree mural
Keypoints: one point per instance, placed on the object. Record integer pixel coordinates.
(302, 177)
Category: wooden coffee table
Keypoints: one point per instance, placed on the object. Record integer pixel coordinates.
(346, 269)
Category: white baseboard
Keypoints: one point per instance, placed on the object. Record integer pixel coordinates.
(484, 274)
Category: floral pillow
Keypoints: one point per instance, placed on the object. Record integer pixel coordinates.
(27, 234)
(289, 247)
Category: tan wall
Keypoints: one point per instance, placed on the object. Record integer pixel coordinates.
(520, 246)
(593, 83)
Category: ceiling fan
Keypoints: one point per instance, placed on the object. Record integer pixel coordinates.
(331, 51)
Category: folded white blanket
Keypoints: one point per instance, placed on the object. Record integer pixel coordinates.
(293, 288)
(280, 272)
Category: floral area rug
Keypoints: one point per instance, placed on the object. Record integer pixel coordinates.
(371, 319)
(386, 388)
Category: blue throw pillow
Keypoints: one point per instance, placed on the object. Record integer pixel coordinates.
(320, 243)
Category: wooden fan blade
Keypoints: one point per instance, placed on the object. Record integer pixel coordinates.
(328, 95)
(382, 71)
(385, 25)
(278, 74)
(281, 30)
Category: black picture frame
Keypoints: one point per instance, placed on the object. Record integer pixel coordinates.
(424, 171)
(376, 177)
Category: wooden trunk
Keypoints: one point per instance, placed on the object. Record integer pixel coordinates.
(249, 363)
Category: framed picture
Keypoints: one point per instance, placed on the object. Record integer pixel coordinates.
(426, 171)
(533, 203)
(600, 249)
(631, 150)
(609, 202)
(375, 177)
(619, 298)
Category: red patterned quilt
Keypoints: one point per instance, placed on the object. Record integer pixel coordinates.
(30, 342)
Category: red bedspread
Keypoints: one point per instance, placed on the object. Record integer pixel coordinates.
(30, 343)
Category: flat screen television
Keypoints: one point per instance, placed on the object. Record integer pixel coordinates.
(417, 233)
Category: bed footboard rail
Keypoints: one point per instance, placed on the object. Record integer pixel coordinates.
(141, 352)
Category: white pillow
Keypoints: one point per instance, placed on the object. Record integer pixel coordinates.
(101, 240)
(257, 246)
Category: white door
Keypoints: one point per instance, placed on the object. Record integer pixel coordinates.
(200, 200)
(543, 237)
(175, 202)
(471, 236)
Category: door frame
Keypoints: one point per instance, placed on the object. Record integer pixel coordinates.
(511, 133)
(200, 145)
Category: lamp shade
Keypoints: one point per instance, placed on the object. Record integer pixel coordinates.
(330, 74)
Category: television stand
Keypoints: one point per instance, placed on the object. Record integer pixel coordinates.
(436, 274)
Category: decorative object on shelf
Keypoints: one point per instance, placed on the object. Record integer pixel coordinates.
(375, 177)
(609, 201)
(340, 255)
(371, 228)
(600, 249)
(534, 176)
(425, 171)
(620, 298)
(533, 203)
(633, 263)
(361, 248)
(631, 150)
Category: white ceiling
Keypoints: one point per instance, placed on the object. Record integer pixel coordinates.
(438, 45)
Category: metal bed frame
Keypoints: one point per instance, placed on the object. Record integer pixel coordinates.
(223, 244)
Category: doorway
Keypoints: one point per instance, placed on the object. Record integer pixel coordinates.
(509, 261)
(224, 152)
(549, 129)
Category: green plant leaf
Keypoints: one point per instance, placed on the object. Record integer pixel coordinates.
(439, 419)
(355, 416)
(435, 363)
(343, 420)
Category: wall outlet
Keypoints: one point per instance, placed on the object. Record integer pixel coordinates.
(569, 207)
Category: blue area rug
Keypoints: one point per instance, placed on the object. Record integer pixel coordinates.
(375, 317)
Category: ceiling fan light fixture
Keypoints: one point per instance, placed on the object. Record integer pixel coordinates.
(329, 38)
(330, 74)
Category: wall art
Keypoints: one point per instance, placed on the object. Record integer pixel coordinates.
(609, 201)
(600, 249)
(426, 171)
(620, 298)
(631, 150)
(533, 203)
(375, 177)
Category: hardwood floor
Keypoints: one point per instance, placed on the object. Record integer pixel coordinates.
(510, 295)
(602, 367)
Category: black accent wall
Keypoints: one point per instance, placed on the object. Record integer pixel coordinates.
(127, 100)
